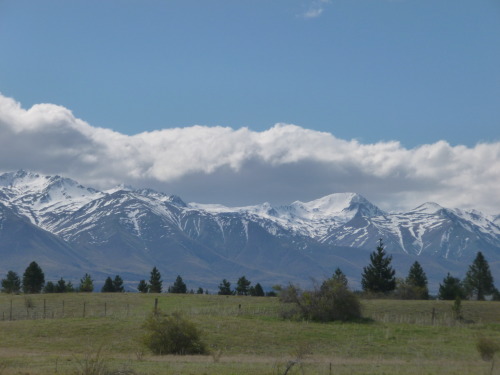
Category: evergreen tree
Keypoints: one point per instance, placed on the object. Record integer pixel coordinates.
(11, 283)
(118, 284)
(417, 280)
(155, 282)
(143, 286)
(108, 286)
(49, 287)
(60, 287)
(86, 284)
(242, 286)
(200, 290)
(179, 287)
(259, 292)
(378, 277)
(33, 279)
(340, 277)
(225, 288)
(478, 281)
(451, 288)
(69, 287)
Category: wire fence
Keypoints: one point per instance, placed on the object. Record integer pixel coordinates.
(33, 307)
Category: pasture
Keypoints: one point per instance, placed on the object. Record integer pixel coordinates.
(62, 333)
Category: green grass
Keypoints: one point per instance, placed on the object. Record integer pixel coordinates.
(246, 332)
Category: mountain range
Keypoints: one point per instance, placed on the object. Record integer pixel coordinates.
(70, 230)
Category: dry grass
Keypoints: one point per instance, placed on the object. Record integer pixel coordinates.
(246, 337)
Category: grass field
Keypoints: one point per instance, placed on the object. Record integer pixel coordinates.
(60, 333)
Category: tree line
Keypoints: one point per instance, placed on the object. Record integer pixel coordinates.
(378, 278)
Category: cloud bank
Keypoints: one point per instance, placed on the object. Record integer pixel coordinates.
(237, 167)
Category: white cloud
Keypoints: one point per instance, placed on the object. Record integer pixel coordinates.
(315, 9)
(223, 165)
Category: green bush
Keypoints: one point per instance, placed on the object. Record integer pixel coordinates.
(172, 334)
(332, 301)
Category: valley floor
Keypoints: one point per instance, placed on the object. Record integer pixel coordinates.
(66, 333)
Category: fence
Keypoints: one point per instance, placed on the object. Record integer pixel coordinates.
(81, 305)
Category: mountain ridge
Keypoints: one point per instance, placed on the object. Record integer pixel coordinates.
(128, 231)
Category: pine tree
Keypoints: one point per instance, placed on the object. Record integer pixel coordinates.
(417, 280)
(178, 287)
(378, 277)
(143, 286)
(155, 282)
(108, 286)
(69, 287)
(478, 281)
(11, 283)
(451, 288)
(118, 284)
(60, 287)
(259, 292)
(340, 277)
(200, 290)
(49, 287)
(225, 288)
(33, 279)
(242, 287)
(86, 284)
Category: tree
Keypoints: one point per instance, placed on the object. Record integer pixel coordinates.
(108, 286)
(225, 288)
(378, 277)
(69, 287)
(86, 284)
(11, 283)
(155, 282)
(200, 290)
(143, 286)
(340, 277)
(451, 288)
(49, 287)
(242, 287)
(118, 284)
(33, 279)
(258, 291)
(60, 287)
(178, 287)
(417, 280)
(478, 281)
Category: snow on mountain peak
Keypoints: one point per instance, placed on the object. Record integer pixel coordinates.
(428, 208)
(343, 206)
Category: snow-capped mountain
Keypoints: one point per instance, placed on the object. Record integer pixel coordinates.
(69, 227)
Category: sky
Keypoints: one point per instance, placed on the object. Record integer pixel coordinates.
(242, 102)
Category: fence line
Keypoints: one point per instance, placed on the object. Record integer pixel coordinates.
(37, 307)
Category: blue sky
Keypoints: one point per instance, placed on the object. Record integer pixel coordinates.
(416, 71)
(398, 100)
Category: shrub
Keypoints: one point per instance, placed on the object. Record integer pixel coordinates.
(172, 334)
(332, 301)
(487, 348)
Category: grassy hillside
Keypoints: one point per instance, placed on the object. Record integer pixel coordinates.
(51, 334)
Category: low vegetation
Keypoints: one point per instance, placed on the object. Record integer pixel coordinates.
(172, 334)
(244, 335)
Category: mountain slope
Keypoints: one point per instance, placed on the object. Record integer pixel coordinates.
(127, 232)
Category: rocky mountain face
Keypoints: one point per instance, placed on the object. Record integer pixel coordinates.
(70, 229)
